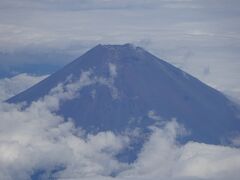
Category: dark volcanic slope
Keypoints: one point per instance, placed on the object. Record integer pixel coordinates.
(145, 86)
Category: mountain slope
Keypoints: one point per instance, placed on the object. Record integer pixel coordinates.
(138, 90)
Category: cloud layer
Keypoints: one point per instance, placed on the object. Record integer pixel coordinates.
(14, 85)
(36, 141)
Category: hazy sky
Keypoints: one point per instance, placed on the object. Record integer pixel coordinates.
(199, 36)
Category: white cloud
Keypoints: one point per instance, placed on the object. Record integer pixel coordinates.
(112, 70)
(208, 161)
(236, 140)
(163, 158)
(14, 85)
(36, 138)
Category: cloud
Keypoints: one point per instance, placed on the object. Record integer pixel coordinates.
(162, 157)
(14, 85)
(112, 70)
(36, 141)
(95, 4)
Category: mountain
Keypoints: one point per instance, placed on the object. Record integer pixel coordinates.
(138, 90)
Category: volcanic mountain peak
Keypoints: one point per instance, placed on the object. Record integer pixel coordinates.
(125, 50)
(142, 84)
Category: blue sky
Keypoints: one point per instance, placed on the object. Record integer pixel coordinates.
(199, 36)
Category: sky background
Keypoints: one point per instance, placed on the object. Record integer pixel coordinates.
(199, 36)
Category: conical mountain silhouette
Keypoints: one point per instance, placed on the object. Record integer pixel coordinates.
(139, 89)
